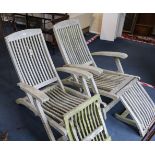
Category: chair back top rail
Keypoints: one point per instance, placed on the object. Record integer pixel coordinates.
(72, 43)
(31, 58)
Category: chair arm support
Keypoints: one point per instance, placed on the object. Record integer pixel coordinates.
(91, 69)
(76, 71)
(116, 56)
(39, 95)
(111, 54)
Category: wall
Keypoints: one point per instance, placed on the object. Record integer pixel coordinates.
(112, 26)
(96, 23)
(84, 18)
(153, 31)
(120, 24)
(108, 25)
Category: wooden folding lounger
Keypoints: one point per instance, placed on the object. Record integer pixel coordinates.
(115, 85)
(75, 115)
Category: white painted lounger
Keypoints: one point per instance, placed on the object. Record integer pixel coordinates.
(74, 115)
(116, 85)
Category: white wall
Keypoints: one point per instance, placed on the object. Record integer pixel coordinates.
(84, 18)
(120, 24)
(96, 23)
(112, 26)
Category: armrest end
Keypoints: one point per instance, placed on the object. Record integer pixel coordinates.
(111, 54)
(41, 96)
(91, 69)
(76, 71)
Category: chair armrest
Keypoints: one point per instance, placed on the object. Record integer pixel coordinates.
(41, 96)
(76, 71)
(111, 54)
(91, 69)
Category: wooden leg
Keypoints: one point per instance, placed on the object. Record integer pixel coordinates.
(108, 138)
(104, 114)
(63, 138)
(23, 101)
(149, 135)
(38, 112)
(45, 121)
(111, 105)
(123, 117)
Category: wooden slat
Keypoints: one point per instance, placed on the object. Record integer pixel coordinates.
(83, 44)
(97, 120)
(22, 60)
(50, 68)
(72, 43)
(28, 62)
(73, 128)
(41, 67)
(85, 122)
(33, 65)
(67, 45)
(60, 103)
(94, 119)
(93, 134)
(148, 101)
(41, 56)
(17, 63)
(69, 97)
(60, 100)
(77, 126)
(136, 111)
(79, 47)
(31, 58)
(141, 106)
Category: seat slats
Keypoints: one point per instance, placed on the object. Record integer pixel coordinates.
(60, 103)
(107, 81)
(67, 97)
(60, 100)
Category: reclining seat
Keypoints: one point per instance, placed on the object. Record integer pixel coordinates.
(115, 85)
(74, 115)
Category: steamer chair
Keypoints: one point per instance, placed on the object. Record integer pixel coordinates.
(74, 115)
(113, 84)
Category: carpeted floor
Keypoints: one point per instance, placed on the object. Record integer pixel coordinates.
(21, 124)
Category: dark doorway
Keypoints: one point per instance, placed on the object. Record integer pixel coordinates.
(142, 24)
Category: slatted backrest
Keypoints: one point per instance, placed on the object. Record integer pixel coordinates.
(31, 58)
(72, 43)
